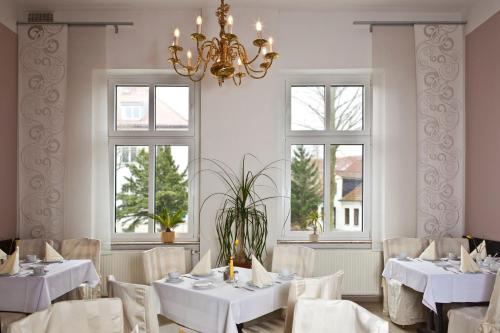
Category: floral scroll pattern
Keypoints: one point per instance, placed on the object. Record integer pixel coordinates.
(440, 130)
(42, 91)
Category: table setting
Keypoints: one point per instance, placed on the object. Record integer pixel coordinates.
(30, 284)
(221, 299)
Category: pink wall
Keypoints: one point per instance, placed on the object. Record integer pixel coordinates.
(483, 130)
(8, 132)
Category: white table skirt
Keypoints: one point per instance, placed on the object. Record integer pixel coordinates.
(220, 309)
(34, 293)
(439, 285)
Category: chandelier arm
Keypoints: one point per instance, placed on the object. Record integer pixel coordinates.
(246, 54)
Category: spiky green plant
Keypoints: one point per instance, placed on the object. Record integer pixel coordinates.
(167, 220)
(242, 214)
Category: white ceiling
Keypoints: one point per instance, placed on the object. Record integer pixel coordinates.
(363, 5)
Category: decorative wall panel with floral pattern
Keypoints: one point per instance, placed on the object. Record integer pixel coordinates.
(440, 130)
(42, 93)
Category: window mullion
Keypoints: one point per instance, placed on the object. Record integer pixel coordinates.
(327, 108)
(326, 188)
(151, 186)
(152, 105)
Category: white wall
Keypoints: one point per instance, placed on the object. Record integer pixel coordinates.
(250, 118)
(480, 12)
(8, 14)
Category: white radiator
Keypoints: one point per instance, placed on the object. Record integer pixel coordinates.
(362, 268)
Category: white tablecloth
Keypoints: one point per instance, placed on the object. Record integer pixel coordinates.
(439, 285)
(220, 309)
(34, 293)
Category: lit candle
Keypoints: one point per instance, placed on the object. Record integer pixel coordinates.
(199, 21)
(189, 56)
(258, 27)
(239, 64)
(177, 33)
(264, 51)
(270, 42)
(230, 22)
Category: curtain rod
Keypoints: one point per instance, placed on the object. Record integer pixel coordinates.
(84, 24)
(405, 23)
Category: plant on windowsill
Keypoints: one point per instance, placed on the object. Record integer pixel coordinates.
(315, 224)
(242, 216)
(168, 222)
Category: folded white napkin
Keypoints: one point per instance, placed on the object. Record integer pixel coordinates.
(482, 251)
(3, 255)
(204, 266)
(430, 253)
(467, 264)
(11, 265)
(51, 254)
(260, 277)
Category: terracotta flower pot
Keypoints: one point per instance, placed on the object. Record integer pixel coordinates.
(168, 236)
(313, 237)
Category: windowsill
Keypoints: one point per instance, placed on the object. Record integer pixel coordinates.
(146, 245)
(331, 244)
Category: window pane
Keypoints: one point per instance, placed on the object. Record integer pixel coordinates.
(307, 185)
(346, 188)
(172, 108)
(308, 108)
(171, 183)
(346, 108)
(131, 188)
(132, 108)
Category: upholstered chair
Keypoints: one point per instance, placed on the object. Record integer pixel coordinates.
(160, 261)
(32, 246)
(295, 259)
(447, 245)
(324, 316)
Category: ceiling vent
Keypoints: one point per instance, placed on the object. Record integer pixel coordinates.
(40, 17)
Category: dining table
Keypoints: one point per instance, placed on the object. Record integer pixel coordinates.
(225, 306)
(440, 282)
(24, 292)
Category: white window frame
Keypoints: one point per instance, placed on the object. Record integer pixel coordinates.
(326, 137)
(152, 138)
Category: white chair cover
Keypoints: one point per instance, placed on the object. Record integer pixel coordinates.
(296, 259)
(324, 316)
(139, 309)
(103, 315)
(160, 261)
(83, 248)
(327, 287)
(405, 304)
(477, 318)
(7, 318)
(413, 247)
(32, 246)
(453, 245)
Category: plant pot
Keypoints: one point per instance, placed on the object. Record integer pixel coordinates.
(168, 236)
(313, 237)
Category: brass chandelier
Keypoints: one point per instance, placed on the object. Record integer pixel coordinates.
(227, 56)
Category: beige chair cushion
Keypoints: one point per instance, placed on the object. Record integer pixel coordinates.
(466, 320)
(32, 246)
(327, 287)
(325, 316)
(296, 259)
(97, 316)
(160, 261)
(83, 248)
(405, 304)
(138, 305)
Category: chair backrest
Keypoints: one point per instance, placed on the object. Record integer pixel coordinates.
(296, 259)
(327, 287)
(448, 245)
(492, 318)
(82, 248)
(160, 261)
(346, 316)
(138, 305)
(103, 315)
(32, 246)
(413, 247)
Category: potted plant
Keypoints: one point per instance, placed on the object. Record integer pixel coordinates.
(315, 224)
(242, 216)
(168, 222)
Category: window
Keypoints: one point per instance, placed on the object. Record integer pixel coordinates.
(153, 143)
(328, 144)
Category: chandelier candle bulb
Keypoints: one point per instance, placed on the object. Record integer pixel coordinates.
(199, 22)
(177, 33)
(239, 64)
(189, 56)
(270, 42)
(258, 27)
(230, 22)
